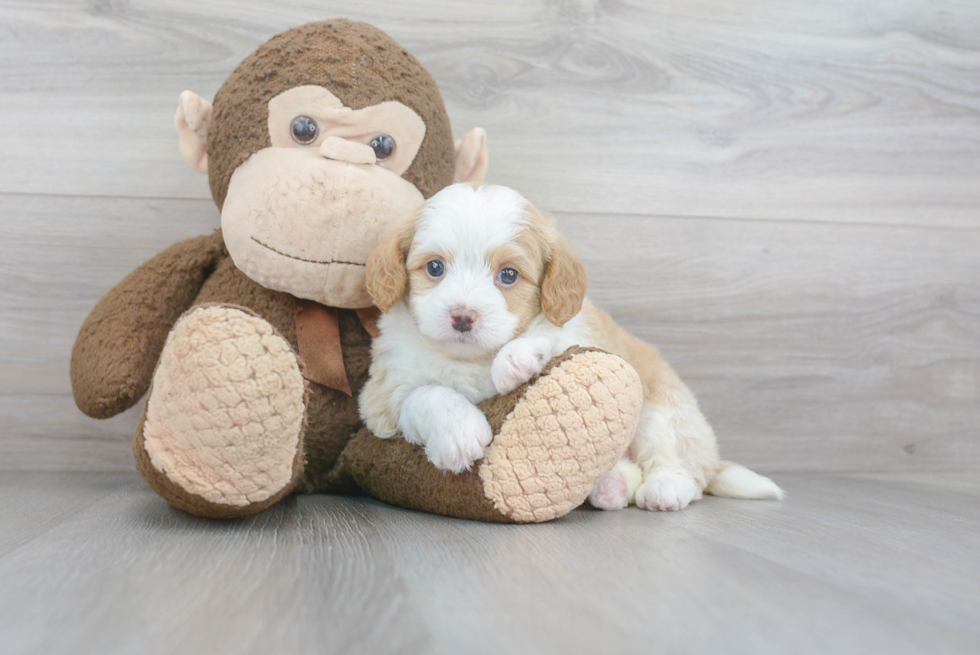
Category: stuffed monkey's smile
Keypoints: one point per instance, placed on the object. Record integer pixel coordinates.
(303, 259)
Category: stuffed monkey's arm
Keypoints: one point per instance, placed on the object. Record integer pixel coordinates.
(117, 348)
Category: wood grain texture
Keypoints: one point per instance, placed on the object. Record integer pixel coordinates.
(810, 346)
(838, 110)
(289, 577)
(781, 195)
(848, 564)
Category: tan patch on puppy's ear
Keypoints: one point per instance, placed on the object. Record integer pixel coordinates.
(192, 120)
(385, 274)
(472, 156)
(565, 278)
(565, 284)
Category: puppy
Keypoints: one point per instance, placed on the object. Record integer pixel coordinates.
(479, 292)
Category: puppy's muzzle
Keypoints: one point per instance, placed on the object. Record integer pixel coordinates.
(463, 319)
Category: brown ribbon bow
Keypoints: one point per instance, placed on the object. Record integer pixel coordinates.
(318, 338)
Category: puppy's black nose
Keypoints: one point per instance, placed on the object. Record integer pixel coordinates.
(463, 319)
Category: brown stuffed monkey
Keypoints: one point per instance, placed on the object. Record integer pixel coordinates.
(254, 341)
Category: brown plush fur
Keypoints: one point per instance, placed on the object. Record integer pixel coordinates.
(359, 63)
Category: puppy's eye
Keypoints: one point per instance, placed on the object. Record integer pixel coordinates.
(383, 145)
(435, 268)
(304, 130)
(507, 276)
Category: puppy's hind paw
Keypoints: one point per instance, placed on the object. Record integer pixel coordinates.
(612, 493)
(667, 491)
(617, 488)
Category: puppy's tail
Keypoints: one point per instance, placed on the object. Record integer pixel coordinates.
(736, 481)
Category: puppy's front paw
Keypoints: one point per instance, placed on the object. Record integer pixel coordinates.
(460, 442)
(519, 361)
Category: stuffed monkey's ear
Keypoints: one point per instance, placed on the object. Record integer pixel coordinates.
(564, 285)
(192, 120)
(472, 157)
(385, 275)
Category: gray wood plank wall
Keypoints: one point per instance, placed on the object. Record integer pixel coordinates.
(785, 196)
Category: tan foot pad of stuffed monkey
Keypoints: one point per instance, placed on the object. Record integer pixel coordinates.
(254, 341)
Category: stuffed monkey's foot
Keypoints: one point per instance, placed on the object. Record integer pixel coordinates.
(567, 431)
(221, 430)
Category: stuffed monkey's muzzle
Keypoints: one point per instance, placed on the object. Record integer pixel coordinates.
(300, 221)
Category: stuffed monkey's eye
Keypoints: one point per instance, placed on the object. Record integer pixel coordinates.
(507, 276)
(435, 268)
(383, 145)
(304, 130)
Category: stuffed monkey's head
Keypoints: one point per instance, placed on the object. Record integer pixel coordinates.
(315, 145)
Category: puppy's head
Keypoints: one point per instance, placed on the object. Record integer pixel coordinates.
(476, 265)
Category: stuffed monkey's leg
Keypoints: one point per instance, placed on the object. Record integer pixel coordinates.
(554, 439)
(221, 434)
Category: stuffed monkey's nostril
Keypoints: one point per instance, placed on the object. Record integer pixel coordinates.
(463, 318)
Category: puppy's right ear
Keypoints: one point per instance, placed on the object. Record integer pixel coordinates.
(565, 283)
(385, 274)
(565, 279)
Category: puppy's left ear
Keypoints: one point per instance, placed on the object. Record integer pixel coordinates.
(385, 274)
(564, 285)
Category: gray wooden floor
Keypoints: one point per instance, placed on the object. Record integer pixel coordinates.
(850, 563)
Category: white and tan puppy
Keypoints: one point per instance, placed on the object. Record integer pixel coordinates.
(479, 291)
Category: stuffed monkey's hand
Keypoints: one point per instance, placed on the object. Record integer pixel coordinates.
(117, 348)
(519, 361)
